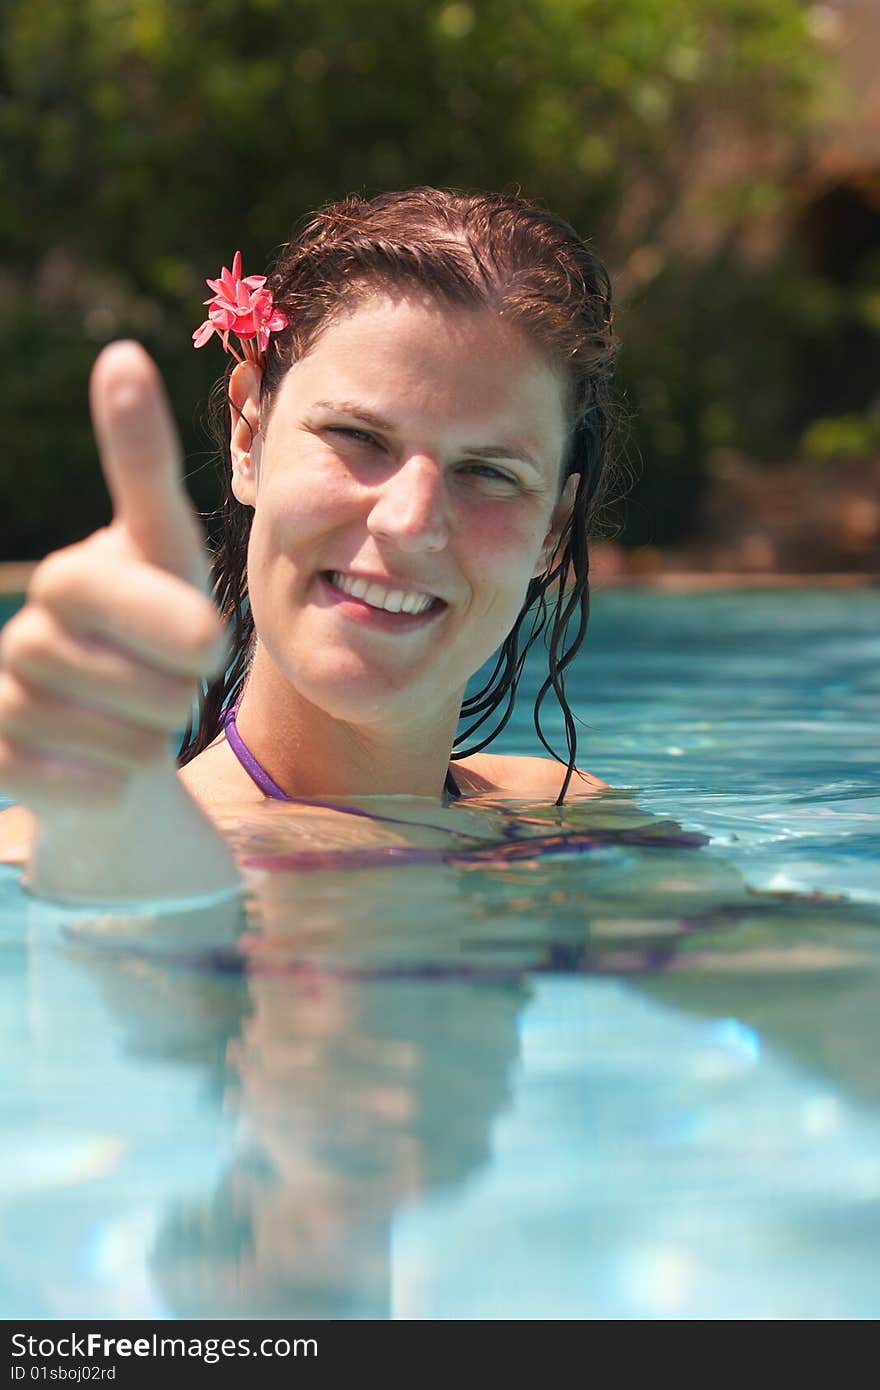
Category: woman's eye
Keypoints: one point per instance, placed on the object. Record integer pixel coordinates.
(360, 436)
(494, 475)
(482, 470)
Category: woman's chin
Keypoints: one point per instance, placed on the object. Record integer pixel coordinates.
(358, 694)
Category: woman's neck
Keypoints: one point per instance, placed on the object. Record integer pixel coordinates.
(309, 753)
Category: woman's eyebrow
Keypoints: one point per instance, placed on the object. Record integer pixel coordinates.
(369, 417)
(482, 451)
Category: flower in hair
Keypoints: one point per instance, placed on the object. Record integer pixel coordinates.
(243, 306)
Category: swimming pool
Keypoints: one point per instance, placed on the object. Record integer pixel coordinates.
(437, 1073)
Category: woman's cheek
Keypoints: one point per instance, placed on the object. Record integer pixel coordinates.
(290, 524)
(505, 548)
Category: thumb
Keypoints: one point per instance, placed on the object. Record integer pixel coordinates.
(141, 458)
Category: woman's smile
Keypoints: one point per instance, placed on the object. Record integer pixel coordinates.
(378, 606)
(384, 591)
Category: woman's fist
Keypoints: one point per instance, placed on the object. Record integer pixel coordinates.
(101, 664)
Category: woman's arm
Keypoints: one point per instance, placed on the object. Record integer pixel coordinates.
(154, 842)
(100, 667)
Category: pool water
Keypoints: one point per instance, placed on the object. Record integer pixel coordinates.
(614, 1060)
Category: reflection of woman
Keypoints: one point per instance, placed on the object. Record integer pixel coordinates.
(348, 1097)
(419, 438)
(364, 1070)
(358, 1099)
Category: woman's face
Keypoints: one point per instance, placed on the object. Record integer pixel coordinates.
(417, 449)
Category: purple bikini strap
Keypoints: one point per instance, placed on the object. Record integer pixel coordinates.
(258, 773)
(255, 770)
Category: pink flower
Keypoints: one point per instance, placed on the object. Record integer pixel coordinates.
(240, 305)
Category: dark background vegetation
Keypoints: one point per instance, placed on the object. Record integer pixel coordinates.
(143, 141)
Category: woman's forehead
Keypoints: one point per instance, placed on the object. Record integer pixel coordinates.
(417, 357)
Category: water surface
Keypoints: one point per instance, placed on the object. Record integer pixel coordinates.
(617, 1059)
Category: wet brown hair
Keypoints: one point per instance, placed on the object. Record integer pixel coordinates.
(476, 250)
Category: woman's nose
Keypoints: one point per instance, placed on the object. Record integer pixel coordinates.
(410, 507)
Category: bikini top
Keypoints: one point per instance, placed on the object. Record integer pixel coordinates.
(258, 773)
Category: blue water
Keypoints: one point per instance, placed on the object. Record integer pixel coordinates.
(630, 1074)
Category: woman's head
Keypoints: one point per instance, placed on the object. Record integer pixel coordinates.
(491, 251)
(416, 447)
(477, 328)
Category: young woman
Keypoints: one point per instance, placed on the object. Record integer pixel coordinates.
(418, 441)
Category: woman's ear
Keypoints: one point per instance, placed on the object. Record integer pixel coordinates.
(245, 440)
(559, 520)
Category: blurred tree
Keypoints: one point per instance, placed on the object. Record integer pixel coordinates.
(143, 141)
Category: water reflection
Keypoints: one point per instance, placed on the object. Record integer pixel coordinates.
(357, 1041)
(347, 1099)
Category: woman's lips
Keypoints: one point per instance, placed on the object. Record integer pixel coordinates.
(379, 618)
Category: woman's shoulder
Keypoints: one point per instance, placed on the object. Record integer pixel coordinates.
(215, 778)
(215, 783)
(511, 775)
(16, 833)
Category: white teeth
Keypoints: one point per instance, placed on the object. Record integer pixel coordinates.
(391, 600)
(375, 596)
(411, 603)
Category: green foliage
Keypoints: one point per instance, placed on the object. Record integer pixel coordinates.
(143, 141)
(841, 437)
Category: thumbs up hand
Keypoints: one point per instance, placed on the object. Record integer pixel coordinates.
(100, 665)
(141, 460)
